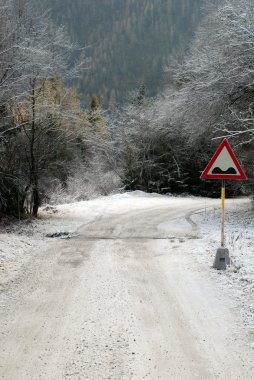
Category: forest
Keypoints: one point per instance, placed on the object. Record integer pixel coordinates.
(168, 141)
(44, 132)
(54, 148)
(128, 42)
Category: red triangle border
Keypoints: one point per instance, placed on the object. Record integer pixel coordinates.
(224, 144)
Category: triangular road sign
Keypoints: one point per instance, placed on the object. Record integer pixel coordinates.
(224, 164)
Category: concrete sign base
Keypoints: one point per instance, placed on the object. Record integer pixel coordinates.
(222, 259)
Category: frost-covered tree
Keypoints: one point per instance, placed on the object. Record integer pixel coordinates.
(213, 93)
(216, 79)
(148, 149)
(34, 122)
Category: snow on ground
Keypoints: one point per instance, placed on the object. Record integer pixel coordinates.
(238, 279)
(20, 241)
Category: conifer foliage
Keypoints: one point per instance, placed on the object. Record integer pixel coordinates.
(129, 42)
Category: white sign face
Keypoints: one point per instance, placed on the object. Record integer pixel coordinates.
(224, 164)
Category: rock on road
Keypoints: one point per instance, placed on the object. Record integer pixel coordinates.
(124, 299)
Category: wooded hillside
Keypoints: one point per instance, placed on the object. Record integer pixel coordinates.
(128, 42)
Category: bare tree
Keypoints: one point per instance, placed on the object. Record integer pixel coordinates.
(216, 80)
(211, 95)
(34, 53)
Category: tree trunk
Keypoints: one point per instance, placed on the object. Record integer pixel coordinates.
(36, 199)
(33, 168)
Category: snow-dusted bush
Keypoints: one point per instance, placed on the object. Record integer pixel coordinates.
(85, 183)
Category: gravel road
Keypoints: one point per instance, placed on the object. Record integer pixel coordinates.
(123, 300)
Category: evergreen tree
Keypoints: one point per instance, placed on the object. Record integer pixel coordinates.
(95, 103)
(129, 41)
(95, 118)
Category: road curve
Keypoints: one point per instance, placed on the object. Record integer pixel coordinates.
(125, 299)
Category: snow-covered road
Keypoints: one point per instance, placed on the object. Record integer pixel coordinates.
(124, 299)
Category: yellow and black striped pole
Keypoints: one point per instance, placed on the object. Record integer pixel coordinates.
(223, 192)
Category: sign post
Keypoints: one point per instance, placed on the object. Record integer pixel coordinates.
(223, 191)
(223, 165)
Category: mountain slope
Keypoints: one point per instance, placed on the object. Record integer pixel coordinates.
(129, 41)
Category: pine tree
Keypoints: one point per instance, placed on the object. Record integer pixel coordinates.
(95, 118)
(95, 103)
